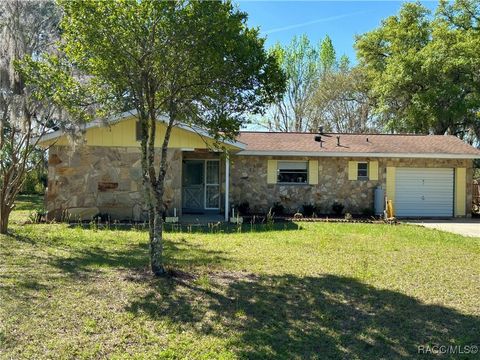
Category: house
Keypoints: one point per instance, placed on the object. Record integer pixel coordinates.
(424, 175)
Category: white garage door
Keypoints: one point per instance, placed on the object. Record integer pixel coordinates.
(424, 192)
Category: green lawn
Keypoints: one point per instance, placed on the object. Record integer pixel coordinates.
(324, 290)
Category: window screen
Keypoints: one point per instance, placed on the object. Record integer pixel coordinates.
(292, 172)
(362, 170)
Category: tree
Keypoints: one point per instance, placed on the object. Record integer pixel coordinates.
(342, 102)
(300, 62)
(196, 62)
(423, 72)
(327, 56)
(28, 29)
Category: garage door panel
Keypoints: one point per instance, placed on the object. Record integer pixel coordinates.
(424, 192)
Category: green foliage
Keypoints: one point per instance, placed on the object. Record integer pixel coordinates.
(423, 71)
(309, 209)
(337, 208)
(327, 55)
(277, 209)
(35, 182)
(321, 91)
(243, 208)
(300, 62)
(28, 28)
(151, 55)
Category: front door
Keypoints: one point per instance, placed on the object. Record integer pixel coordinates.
(193, 186)
(200, 186)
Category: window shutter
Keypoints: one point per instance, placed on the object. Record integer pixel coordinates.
(390, 183)
(352, 170)
(313, 172)
(271, 171)
(373, 170)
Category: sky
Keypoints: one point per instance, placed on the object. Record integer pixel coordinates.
(279, 21)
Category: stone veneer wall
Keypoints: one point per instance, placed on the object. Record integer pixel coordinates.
(249, 183)
(106, 180)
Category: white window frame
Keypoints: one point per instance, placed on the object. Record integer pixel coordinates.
(360, 177)
(293, 161)
(207, 184)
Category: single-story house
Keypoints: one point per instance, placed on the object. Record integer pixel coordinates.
(424, 175)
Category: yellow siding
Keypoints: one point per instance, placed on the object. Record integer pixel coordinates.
(123, 134)
(352, 170)
(460, 191)
(271, 171)
(373, 170)
(391, 184)
(313, 172)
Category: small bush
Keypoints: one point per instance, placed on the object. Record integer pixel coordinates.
(368, 212)
(348, 216)
(337, 208)
(37, 216)
(243, 208)
(309, 210)
(278, 209)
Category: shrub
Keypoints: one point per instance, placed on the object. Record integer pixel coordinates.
(278, 209)
(37, 216)
(243, 208)
(337, 208)
(309, 210)
(368, 212)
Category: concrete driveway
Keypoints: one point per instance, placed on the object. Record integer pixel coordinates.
(465, 227)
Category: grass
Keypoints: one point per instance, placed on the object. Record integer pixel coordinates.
(313, 290)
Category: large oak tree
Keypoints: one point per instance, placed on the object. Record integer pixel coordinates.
(423, 70)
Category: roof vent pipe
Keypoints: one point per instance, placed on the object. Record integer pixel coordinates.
(338, 140)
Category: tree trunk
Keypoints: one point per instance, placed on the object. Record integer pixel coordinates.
(4, 216)
(156, 245)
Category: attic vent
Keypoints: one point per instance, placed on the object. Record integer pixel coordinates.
(318, 138)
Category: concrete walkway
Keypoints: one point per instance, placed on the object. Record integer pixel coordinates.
(465, 227)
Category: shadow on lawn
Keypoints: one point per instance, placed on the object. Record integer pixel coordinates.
(329, 317)
(181, 254)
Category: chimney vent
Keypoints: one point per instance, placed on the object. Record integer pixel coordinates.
(318, 138)
(338, 140)
(320, 130)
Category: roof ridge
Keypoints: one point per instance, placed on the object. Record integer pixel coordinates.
(338, 133)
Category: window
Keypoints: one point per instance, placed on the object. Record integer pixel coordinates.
(292, 172)
(362, 171)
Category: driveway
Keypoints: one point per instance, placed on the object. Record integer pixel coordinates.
(465, 227)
